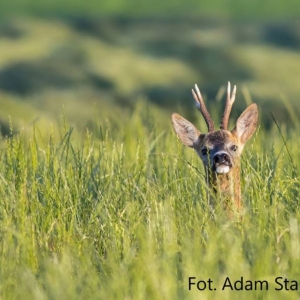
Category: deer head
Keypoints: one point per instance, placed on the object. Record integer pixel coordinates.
(219, 150)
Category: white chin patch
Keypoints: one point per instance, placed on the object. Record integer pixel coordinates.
(222, 169)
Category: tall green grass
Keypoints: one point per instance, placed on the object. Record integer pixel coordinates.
(123, 214)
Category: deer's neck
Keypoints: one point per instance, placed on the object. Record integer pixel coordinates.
(228, 186)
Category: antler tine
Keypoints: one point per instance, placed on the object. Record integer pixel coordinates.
(228, 106)
(202, 108)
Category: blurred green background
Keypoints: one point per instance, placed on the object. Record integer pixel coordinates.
(95, 60)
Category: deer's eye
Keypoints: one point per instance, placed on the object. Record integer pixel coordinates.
(204, 151)
(234, 148)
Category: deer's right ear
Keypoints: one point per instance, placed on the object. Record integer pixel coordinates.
(186, 131)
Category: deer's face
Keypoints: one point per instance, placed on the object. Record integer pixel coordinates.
(219, 151)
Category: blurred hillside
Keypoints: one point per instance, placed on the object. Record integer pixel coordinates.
(90, 67)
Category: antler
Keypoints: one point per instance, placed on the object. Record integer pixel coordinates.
(202, 108)
(228, 106)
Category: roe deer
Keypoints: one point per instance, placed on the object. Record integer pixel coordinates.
(220, 150)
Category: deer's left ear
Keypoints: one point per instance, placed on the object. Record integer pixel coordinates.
(246, 123)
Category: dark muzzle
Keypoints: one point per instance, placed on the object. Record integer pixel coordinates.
(221, 162)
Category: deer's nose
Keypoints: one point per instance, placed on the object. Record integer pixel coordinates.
(221, 158)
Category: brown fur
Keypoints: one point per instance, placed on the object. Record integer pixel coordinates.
(228, 185)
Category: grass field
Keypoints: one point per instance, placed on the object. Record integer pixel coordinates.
(99, 200)
(121, 213)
